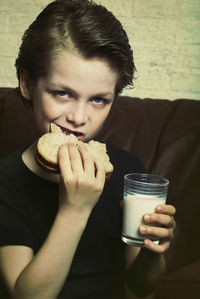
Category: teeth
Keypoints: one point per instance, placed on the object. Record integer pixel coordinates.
(74, 133)
(66, 133)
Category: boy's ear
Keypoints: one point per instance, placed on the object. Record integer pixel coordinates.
(25, 84)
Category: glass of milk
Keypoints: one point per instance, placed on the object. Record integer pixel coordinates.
(142, 193)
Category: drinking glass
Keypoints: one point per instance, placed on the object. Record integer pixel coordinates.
(142, 193)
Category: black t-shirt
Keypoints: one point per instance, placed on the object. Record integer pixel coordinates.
(28, 206)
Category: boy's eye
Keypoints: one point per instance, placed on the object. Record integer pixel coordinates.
(99, 101)
(62, 94)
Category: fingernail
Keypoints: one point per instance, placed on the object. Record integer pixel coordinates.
(159, 208)
(142, 229)
(147, 217)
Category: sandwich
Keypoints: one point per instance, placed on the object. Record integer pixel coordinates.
(48, 145)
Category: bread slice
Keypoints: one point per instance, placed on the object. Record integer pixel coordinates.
(48, 145)
(47, 149)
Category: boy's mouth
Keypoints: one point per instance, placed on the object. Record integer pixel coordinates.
(66, 131)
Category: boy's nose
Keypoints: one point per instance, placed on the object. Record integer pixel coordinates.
(78, 115)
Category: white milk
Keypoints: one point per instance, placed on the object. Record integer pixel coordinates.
(134, 208)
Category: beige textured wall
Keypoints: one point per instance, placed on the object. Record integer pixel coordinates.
(165, 35)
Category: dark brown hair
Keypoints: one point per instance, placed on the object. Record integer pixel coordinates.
(90, 28)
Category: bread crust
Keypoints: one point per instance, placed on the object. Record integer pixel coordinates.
(45, 164)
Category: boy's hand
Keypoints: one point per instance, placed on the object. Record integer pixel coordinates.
(82, 178)
(164, 217)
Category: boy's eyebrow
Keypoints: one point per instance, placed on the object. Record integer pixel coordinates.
(67, 88)
(63, 88)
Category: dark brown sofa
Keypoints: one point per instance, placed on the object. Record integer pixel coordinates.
(165, 135)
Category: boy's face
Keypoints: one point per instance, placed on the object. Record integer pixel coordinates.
(77, 95)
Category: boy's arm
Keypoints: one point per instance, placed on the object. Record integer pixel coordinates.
(43, 275)
(146, 266)
(146, 272)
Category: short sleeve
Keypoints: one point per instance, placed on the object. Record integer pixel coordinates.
(14, 225)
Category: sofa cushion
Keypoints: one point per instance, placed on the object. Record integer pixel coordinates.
(16, 122)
